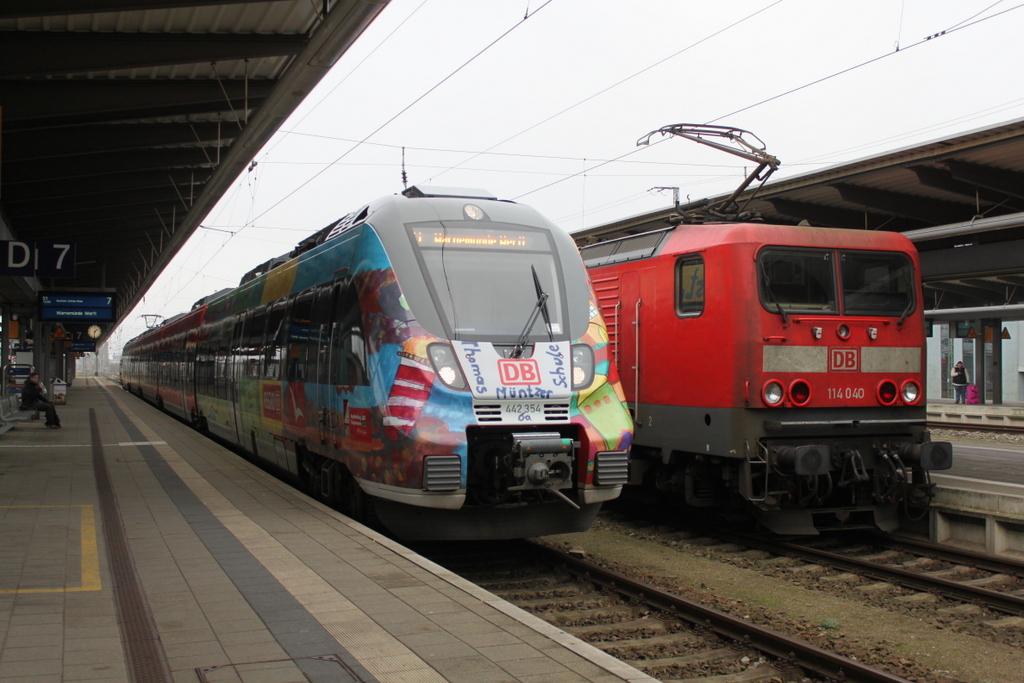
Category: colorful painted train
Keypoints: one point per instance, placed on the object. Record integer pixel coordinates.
(773, 369)
(435, 362)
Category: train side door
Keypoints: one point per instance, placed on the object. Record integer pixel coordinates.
(325, 308)
(236, 368)
(629, 337)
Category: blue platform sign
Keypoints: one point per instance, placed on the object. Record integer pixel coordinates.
(76, 307)
(43, 259)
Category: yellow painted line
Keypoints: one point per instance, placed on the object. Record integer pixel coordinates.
(89, 549)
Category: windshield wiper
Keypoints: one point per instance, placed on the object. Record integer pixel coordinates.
(540, 308)
(906, 311)
(771, 294)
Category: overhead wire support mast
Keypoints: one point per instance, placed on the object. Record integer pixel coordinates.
(746, 146)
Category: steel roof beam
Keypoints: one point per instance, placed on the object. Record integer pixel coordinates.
(188, 181)
(906, 205)
(831, 216)
(22, 145)
(33, 104)
(21, 9)
(999, 179)
(26, 54)
(941, 179)
(81, 217)
(1011, 312)
(115, 162)
(101, 200)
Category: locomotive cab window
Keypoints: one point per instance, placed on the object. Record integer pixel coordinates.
(876, 283)
(800, 280)
(690, 286)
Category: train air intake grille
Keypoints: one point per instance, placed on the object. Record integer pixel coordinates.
(612, 468)
(442, 472)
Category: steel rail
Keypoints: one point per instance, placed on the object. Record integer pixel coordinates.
(797, 652)
(995, 429)
(1003, 602)
(989, 563)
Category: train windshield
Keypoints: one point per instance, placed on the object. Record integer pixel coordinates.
(876, 283)
(797, 280)
(804, 280)
(485, 279)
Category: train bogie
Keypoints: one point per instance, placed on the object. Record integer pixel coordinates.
(436, 363)
(776, 369)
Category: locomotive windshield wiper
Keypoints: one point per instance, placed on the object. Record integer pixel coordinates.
(541, 307)
(906, 311)
(771, 294)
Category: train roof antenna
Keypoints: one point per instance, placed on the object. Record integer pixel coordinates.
(405, 178)
(746, 145)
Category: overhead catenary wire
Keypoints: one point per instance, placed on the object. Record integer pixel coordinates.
(382, 126)
(409, 106)
(625, 158)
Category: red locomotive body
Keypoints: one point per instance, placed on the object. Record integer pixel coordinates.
(775, 368)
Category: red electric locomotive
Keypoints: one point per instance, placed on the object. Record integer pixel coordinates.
(774, 368)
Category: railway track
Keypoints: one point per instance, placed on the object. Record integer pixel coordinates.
(663, 634)
(984, 588)
(950, 588)
(994, 429)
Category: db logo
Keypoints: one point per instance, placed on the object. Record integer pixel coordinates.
(844, 360)
(519, 371)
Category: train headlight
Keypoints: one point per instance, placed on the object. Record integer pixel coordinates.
(773, 393)
(446, 365)
(582, 366)
(911, 392)
(886, 392)
(800, 392)
(843, 332)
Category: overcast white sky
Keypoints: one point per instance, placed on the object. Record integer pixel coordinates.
(543, 102)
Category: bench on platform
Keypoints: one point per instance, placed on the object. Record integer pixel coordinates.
(11, 412)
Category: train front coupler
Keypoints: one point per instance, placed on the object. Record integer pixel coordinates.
(544, 461)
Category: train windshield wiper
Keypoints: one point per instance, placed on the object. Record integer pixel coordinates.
(540, 308)
(771, 294)
(906, 311)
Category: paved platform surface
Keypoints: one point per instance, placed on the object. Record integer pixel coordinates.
(134, 548)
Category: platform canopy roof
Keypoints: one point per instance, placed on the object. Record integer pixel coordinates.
(123, 122)
(960, 199)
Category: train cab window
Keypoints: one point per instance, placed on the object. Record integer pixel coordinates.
(520, 263)
(801, 280)
(876, 283)
(690, 286)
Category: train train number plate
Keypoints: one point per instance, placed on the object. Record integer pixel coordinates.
(525, 412)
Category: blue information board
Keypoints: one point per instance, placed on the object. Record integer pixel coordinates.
(76, 307)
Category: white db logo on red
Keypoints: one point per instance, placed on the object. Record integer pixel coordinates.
(518, 371)
(844, 360)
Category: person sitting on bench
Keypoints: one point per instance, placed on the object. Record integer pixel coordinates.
(33, 397)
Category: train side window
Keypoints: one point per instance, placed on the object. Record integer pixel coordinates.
(273, 347)
(348, 346)
(302, 339)
(797, 280)
(221, 347)
(250, 350)
(690, 286)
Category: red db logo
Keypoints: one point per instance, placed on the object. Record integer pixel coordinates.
(519, 371)
(844, 360)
